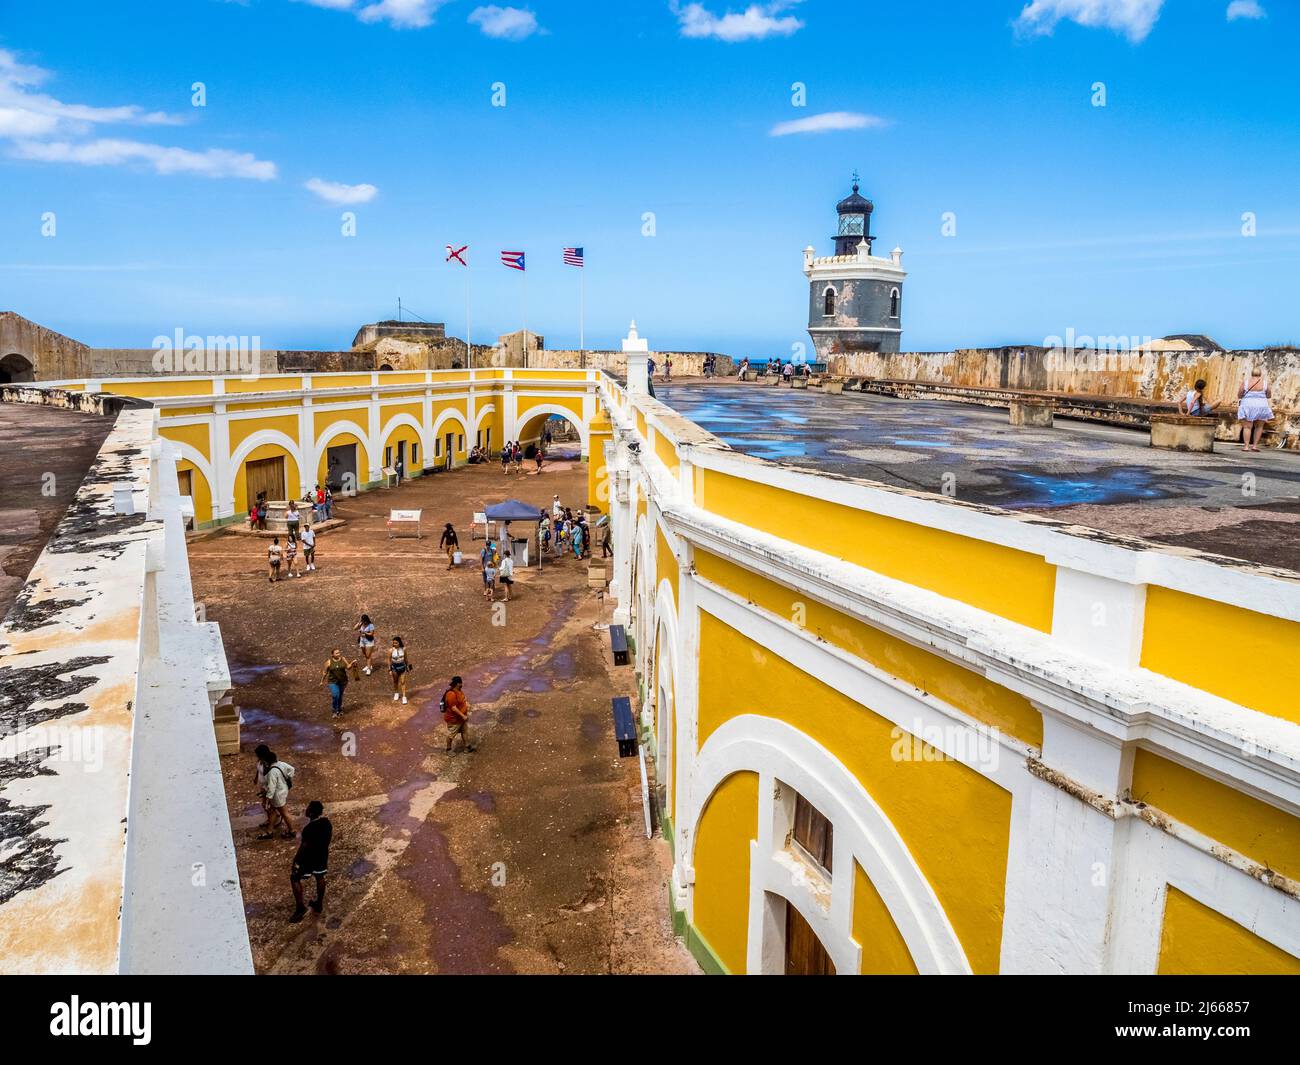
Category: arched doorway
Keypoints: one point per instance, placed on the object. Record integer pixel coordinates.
(558, 434)
(16, 369)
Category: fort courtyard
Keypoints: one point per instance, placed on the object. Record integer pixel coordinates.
(527, 855)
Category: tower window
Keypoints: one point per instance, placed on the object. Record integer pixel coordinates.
(893, 303)
(813, 832)
(828, 303)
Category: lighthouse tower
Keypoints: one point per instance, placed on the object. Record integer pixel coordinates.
(855, 299)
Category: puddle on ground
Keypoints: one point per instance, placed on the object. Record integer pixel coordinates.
(1125, 484)
(282, 733)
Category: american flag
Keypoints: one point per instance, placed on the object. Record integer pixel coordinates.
(572, 256)
(513, 259)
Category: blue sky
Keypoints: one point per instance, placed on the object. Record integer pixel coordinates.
(1123, 219)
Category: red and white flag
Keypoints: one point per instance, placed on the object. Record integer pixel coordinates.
(458, 254)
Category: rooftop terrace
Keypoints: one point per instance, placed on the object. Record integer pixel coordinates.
(1231, 503)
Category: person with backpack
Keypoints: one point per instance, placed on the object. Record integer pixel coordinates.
(455, 712)
(277, 777)
(312, 859)
(335, 676)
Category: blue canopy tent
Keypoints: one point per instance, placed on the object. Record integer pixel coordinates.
(514, 510)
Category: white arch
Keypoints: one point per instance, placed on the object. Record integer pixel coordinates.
(548, 409)
(256, 440)
(423, 434)
(482, 415)
(193, 455)
(895, 302)
(435, 434)
(666, 679)
(643, 618)
(337, 429)
(863, 833)
(835, 301)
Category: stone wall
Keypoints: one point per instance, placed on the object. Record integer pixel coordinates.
(52, 356)
(685, 363)
(1153, 375)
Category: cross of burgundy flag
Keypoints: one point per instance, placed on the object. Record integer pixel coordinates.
(457, 254)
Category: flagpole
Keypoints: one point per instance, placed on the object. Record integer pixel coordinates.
(469, 351)
(524, 309)
(582, 315)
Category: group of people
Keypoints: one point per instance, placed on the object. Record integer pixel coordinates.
(497, 563)
(512, 457)
(274, 780)
(286, 556)
(1253, 408)
(561, 531)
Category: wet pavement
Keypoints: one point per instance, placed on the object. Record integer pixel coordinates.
(528, 855)
(47, 452)
(1229, 502)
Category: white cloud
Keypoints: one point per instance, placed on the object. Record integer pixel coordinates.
(341, 195)
(827, 122)
(753, 24)
(401, 14)
(1250, 9)
(45, 129)
(30, 113)
(1133, 18)
(213, 163)
(506, 23)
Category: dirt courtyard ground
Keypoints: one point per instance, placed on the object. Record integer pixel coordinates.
(528, 855)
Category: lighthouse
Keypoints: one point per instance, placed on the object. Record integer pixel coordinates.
(855, 298)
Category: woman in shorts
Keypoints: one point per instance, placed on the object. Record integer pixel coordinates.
(365, 630)
(398, 667)
(1253, 410)
(273, 557)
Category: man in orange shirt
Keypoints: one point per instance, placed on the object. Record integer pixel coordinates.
(455, 711)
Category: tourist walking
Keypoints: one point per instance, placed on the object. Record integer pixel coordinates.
(576, 537)
(318, 503)
(277, 779)
(399, 667)
(365, 630)
(506, 575)
(455, 712)
(489, 575)
(309, 548)
(335, 676)
(291, 556)
(329, 502)
(557, 511)
(261, 511)
(544, 531)
(607, 540)
(506, 452)
(1253, 408)
(312, 859)
(449, 543)
(274, 555)
(539, 456)
(292, 520)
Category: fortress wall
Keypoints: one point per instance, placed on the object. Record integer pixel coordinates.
(52, 355)
(1152, 375)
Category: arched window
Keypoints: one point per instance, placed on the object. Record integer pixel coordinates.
(828, 303)
(893, 303)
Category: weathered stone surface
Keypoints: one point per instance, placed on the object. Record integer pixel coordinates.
(1180, 433)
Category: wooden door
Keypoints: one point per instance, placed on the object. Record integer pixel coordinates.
(265, 475)
(804, 953)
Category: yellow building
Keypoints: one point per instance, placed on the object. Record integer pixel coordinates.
(893, 733)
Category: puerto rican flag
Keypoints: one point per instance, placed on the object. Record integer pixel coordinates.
(513, 259)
